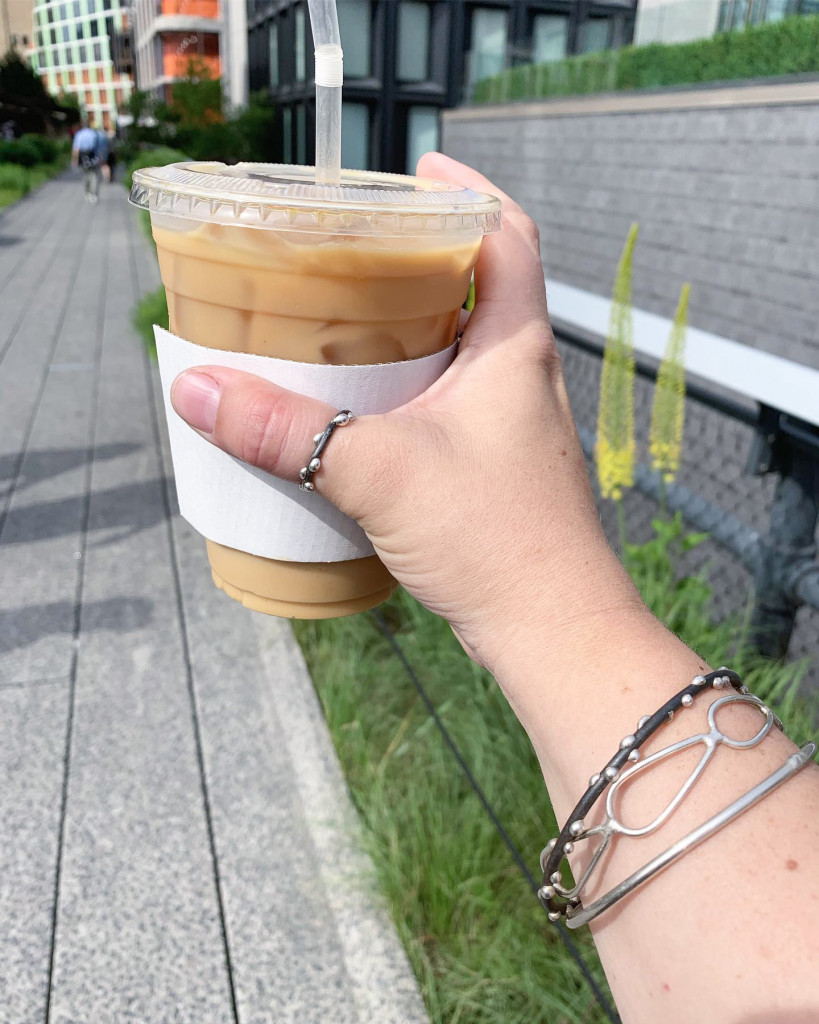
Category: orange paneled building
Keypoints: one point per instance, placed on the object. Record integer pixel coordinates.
(169, 34)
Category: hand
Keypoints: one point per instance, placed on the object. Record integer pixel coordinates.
(475, 494)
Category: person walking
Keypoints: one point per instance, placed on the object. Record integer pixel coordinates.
(86, 153)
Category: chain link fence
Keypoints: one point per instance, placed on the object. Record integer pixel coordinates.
(717, 449)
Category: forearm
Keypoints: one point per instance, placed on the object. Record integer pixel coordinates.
(674, 950)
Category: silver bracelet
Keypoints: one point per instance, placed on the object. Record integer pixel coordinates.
(561, 901)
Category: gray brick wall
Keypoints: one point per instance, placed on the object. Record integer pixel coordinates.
(727, 199)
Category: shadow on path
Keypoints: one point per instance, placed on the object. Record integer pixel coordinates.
(127, 509)
(20, 627)
(44, 463)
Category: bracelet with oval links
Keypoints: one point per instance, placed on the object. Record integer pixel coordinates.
(629, 751)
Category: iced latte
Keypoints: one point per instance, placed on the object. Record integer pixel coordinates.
(375, 271)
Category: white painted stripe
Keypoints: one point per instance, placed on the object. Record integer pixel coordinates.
(761, 376)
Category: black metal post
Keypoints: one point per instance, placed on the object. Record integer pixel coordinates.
(786, 573)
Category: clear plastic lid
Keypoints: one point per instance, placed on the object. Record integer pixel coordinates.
(286, 197)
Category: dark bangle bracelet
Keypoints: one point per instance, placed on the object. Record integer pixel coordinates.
(560, 901)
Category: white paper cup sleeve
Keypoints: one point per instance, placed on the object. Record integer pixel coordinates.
(241, 507)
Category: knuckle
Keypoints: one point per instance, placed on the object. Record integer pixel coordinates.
(265, 430)
(531, 232)
(526, 228)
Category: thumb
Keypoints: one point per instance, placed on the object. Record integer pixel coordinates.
(274, 429)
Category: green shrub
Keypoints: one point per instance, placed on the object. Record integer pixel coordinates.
(151, 309)
(14, 178)
(157, 157)
(22, 152)
(786, 47)
(47, 149)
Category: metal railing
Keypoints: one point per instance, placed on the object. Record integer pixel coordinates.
(750, 480)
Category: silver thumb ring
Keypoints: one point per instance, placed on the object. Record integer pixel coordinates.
(306, 473)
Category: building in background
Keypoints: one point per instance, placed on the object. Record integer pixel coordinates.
(16, 24)
(677, 21)
(406, 60)
(82, 48)
(168, 34)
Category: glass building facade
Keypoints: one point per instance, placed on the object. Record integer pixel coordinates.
(83, 48)
(406, 60)
(739, 13)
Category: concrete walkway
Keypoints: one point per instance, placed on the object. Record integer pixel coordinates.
(176, 840)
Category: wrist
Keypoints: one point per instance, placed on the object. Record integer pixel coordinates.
(558, 616)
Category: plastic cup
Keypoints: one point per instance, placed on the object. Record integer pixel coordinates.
(259, 258)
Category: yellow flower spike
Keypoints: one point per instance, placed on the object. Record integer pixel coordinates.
(668, 410)
(615, 418)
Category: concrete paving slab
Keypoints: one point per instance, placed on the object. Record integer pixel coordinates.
(32, 742)
(23, 226)
(138, 933)
(40, 540)
(208, 867)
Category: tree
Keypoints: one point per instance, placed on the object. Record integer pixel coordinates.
(17, 79)
(196, 100)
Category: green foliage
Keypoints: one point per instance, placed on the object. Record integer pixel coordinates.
(684, 604)
(156, 157)
(14, 179)
(151, 309)
(19, 80)
(47, 149)
(474, 933)
(17, 179)
(13, 176)
(24, 151)
(193, 123)
(615, 421)
(197, 98)
(790, 46)
(477, 938)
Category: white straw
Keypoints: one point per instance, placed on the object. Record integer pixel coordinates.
(329, 78)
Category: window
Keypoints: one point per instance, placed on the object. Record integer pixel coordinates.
(273, 44)
(422, 134)
(489, 30)
(775, 10)
(549, 35)
(301, 134)
(98, 52)
(287, 135)
(740, 13)
(355, 136)
(594, 35)
(724, 20)
(301, 61)
(355, 24)
(413, 41)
